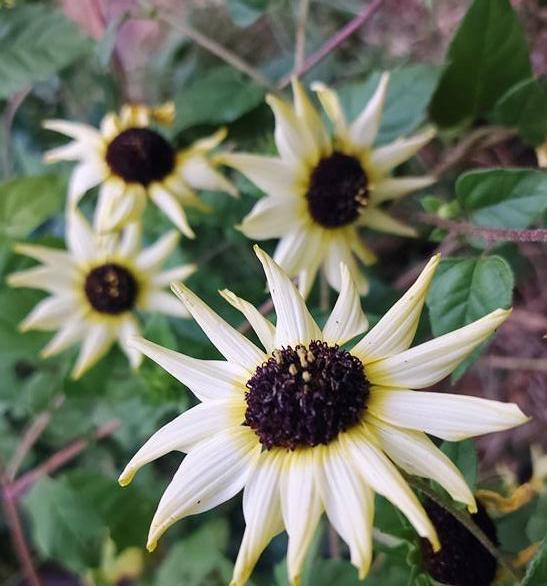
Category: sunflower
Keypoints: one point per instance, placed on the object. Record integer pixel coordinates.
(96, 286)
(132, 161)
(322, 190)
(307, 426)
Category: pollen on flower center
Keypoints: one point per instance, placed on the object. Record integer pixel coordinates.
(337, 190)
(111, 288)
(305, 396)
(140, 155)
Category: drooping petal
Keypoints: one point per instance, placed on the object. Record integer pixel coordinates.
(360, 249)
(262, 510)
(394, 188)
(310, 118)
(235, 347)
(416, 454)
(395, 331)
(71, 332)
(450, 417)
(130, 240)
(80, 238)
(96, 343)
(298, 247)
(263, 328)
(347, 319)
(214, 471)
(364, 128)
(295, 325)
(128, 330)
(340, 251)
(271, 218)
(331, 104)
(165, 303)
(84, 177)
(185, 431)
(169, 205)
(348, 502)
(382, 476)
(377, 219)
(428, 363)
(306, 276)
(207, 379)
(49, 314)
(200, 173)
(153, 257)
(301, 507)
(180, 273)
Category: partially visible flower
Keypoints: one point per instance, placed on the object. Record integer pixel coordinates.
(134, 162)
(306, 426)
(96, 286)
(322, 190)
(116, 568)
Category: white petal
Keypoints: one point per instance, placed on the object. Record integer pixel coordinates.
(51, 256)
(386, 158)
(382, 476)
(169, 205)
(331, 104)
(310, 118)
(235, 347)
(96, 343)
(340, 251)
(348, 502)
(299, 247)
(185, 431)
(364, 128)
(76, 130)
(361, 250)
(301, 507)
(428, 363)
(347, 319)
(84, 177)
(395, 331)
(130, 240)
(165, 303)
(79, 237)
(73, 331)
(270, 174)
(394, 188)
(153, 257)
(450, 417)
(295, 325)
(180, 273)
(214, 471)
(207, 379)
(306, 276)
(49, 314)
(208, 143)
(128, 329)
(262, 510)
(271, 218)
(72, 151)
(200, 173)
(47, 278)
(416, 454)
(263, 328)
(378, 220)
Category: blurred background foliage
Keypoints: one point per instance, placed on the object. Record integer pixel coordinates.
(475, 69)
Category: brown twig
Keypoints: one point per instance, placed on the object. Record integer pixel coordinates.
(516, 363)
(300, 44)
(530, 320)
(337, 39)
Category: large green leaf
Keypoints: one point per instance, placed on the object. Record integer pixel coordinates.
(464, 455)
(503, 198)
(35, 42)
(487, 56)
(537, 570)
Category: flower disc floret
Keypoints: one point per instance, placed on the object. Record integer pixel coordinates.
(111, 288)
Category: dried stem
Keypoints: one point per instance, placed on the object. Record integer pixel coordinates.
(516, 363)
(337, 39)
(300, 45)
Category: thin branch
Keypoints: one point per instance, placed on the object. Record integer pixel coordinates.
(337, 39)
(300, 45)
(516, 363)
(489, 234)
(535, 322)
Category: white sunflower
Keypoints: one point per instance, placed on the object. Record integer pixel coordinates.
(96, 286)
(305, 426)
(322, 190)
(132, 162)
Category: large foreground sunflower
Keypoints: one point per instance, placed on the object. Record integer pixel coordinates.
(322, 190)
(306, 426)
(96, 286)
(133, 162)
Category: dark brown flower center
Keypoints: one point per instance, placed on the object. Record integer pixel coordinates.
(111, 289)
(140, 155)
(305, 396)
(337, 191)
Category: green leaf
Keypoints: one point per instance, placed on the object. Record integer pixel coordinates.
(537, 570)
(524, 107)
(220, 97)
(35, 42)
(27, 202)
(64, 528)
(537, 525)
(464, 455)
(503, 198)
(487, 56)
(244, 13)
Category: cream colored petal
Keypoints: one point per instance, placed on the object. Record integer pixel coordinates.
(377, 219)
(129, 243)
(46, 278)
(50, 313)
(154, 256)
(306, 277)
(80, 239)
(301, 507)
(235, 347)
(416, 454)
(207, 379)
(364, 128)
(164, 302)
(214, 471)
(385, 158)
(295, 325)
(70, 333)
(382, 476)
(76, 130)
(210, 142)
(270, 174)
(180, 273)
(169, 205)
(111, 196)
(310, 118)
(347, 319)
(263, 328)
(129, 329)
(262, 510)
(395, 331)
(450, 417)
(72, 151)
(96, 342)
(271, 218)
(51, 256)
(185, 431)
(127, 209)
(200, 173)
(134, 115)
(331, 104)
(299, 247)
(110, 126)
(394, 188)
(430, 362)
(340, 251)
(84, 177)
(185, 195)
(361, 250)
(348, 502)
